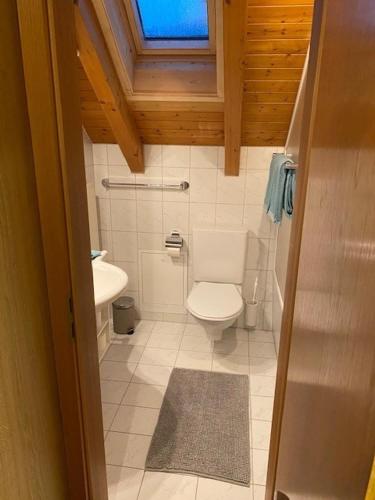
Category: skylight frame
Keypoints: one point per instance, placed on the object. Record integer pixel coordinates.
(171, 47)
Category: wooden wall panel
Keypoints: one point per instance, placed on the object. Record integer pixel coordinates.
(279, 14)
(278, 35)
(102, 74)
(274, 61)
(93, 117)
(273, 3)
(162, 122)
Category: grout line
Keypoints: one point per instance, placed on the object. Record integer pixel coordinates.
(196, 488)
(138, 434)
(140, 487)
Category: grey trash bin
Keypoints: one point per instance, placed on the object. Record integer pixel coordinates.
(123, 315)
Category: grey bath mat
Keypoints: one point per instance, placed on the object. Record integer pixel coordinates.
(203, 427)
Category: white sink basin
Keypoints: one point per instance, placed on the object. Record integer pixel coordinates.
(109, 281)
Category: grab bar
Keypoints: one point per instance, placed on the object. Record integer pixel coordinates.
(182, 186)
(291, 166)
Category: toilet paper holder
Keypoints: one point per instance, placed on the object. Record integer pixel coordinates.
(174, 240)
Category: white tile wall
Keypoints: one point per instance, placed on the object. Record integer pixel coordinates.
(91, 190)
(134, 219)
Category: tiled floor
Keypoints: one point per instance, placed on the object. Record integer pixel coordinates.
(134, 375)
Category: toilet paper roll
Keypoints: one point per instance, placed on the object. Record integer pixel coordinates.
(174, 252)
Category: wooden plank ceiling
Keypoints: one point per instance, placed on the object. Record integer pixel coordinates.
(276, 42)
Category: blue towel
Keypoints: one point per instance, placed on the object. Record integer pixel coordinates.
(290, 189)
(274, 199)
(95, 253)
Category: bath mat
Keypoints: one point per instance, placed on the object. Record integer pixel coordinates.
(203, 427)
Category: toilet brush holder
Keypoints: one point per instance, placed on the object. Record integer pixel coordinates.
(251, 313)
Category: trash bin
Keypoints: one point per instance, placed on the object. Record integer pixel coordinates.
(123, 315)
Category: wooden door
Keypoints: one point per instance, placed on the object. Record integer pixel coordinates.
(327, 437)
(53, 106)
(32, 455)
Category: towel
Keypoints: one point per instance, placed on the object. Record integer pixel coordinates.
(274, 199)
(290, 189)
(95, 253)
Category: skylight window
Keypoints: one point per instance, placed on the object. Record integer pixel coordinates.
(173, 19)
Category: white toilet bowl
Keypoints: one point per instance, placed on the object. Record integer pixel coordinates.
(216, 306)
(219, 255)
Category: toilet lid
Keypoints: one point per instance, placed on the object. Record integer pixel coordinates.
(216, 301)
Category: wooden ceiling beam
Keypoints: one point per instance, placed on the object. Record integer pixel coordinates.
(100, 71)
(234, 18)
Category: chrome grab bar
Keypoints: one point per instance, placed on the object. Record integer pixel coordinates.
(291, 166)
(182, 186)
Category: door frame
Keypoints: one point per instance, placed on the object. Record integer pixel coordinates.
(309, 106)
(50, 68)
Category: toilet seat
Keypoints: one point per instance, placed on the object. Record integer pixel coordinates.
(215, 301)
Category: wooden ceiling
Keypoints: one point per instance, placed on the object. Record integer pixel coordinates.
(158, 122)
(277, 38)
(277, 35)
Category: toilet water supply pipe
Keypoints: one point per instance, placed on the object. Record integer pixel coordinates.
(255, 290)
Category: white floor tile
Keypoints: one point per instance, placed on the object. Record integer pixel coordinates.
(260, 434)
(262, 386)
(114, 370)
(152, 374)
(112, 391)
(124, 353)
(198, 344)
(260, 462)
(123, 483)
(167, 327)
(136, 339)
(165, 341)
(146, 395)
(261, 408)
(129, 450)
(240, 334)
(263, 366)
(163, 486)
(260, 336)
(144, 326)
(262, 349)
(132, 424)
(195, 330)
(194, 360)
(159, 357)
(118, 338)
(109, 411)
(151, 315)
(259, 492)
(209, 489)
(230, 364)
(231, 347)
(135, 420)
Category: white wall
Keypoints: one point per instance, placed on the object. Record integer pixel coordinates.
(90, 189)
(281, 261)
(292, 148)
(131, 220)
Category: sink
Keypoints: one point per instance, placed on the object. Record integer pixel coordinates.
(109, 281)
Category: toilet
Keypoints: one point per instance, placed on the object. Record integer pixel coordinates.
(219, 255)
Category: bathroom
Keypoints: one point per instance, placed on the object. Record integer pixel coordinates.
(214, 344)
(133, 223)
